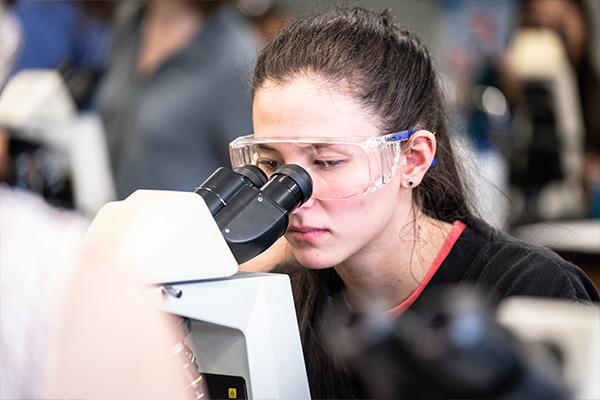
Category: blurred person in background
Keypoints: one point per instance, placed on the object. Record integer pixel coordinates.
(176, 92)
(571, 20)
(267, 16)
(61, 302)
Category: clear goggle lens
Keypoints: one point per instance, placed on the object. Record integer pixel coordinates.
(339, 170)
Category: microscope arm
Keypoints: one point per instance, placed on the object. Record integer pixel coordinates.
(171, 236)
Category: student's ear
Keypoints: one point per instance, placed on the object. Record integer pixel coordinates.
(420, 153)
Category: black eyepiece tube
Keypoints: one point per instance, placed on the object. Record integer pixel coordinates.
(221, 187)
(289, 187)
(255, 175)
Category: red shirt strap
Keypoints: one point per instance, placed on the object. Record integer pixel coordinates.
(457, 229)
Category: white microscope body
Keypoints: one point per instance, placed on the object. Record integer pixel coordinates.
(243, 325)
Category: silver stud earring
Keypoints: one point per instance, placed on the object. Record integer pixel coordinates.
(409, 183)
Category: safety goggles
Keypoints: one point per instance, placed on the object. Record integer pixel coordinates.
(340, 168)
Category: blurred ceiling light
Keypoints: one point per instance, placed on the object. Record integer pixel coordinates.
(491, 101)
(255, 8)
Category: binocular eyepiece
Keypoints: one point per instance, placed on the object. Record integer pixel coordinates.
(252, 210)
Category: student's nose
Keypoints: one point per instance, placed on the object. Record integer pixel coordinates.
(306, 205)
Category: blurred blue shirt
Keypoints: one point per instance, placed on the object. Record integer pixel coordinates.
(59, 33)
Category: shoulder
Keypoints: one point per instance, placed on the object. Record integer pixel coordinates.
(512, 267)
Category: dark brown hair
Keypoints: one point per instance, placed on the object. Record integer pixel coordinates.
(391, 74)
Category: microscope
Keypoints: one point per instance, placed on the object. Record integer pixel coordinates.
(546, 150)
(457, 344)
(241, 326)
(56, 151)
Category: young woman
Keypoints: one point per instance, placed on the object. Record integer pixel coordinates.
(356, 101)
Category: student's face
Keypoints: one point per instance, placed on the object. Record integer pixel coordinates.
(325, 233)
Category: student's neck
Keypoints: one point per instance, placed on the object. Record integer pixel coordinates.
(393, 270)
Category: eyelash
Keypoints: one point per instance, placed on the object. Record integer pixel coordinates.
(272, 165)
(328, 164)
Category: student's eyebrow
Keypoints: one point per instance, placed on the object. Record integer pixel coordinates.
(266, 147)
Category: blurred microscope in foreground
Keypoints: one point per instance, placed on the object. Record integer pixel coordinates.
(455, 346)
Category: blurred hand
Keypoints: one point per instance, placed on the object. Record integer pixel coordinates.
(591, 168)
(4, 156)
(115, 344)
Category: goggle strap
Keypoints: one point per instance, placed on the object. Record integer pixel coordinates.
(403, 135)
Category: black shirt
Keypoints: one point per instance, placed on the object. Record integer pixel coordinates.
(494, 262)
(504, 266)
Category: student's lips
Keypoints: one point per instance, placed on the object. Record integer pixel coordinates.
(305, 233)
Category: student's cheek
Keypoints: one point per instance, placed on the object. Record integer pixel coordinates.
(348, 211)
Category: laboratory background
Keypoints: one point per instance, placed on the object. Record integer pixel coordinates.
(101, 98)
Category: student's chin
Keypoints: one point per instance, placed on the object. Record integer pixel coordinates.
(313, 259)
